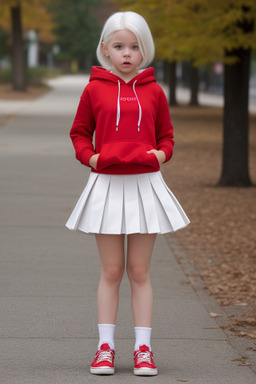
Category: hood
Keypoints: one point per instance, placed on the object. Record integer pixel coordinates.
(145, 77)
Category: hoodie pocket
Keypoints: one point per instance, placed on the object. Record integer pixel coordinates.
(127, 153)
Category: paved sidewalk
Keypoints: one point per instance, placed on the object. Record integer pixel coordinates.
(49, 275)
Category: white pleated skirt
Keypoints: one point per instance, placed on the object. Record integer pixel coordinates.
(126, 204)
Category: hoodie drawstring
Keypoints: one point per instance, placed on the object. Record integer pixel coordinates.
(118, 105)
(140, 110)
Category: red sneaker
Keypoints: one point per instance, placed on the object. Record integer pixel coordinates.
(143, 362)
(104, 361)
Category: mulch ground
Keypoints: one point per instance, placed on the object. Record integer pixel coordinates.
(221, 239)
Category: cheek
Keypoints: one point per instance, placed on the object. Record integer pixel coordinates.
(114, 56)
(139, 57)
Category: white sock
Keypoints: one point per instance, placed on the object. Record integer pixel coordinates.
(142, 337)
(106, 335)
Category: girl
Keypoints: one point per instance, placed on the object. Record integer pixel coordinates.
(125, 193)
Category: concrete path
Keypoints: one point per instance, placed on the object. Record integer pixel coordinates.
(49, 275)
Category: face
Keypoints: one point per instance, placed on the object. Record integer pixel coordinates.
(124, 53)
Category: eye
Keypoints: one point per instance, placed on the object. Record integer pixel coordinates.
(118, 46)
(135, 47)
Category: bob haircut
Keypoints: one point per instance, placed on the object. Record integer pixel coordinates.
(134, 23)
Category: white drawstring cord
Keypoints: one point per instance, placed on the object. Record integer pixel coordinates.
(118, 106)
(140, 110)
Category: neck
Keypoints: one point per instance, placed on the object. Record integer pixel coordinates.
(125, 77)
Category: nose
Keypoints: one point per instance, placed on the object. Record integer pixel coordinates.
(127, 52)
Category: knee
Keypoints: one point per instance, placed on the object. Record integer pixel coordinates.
(138, 274)
(113, 274)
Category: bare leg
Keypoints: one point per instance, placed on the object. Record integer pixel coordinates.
(111, 251)
(140, 248)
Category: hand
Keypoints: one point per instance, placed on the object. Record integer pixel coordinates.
(93, 161)
(159, 154)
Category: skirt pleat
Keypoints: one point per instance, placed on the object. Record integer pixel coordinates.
(174, 212)
(115, 204)
(97, 205)
(148, 202)
(76, 216)
(113, 213)
(181, 219)
(131, 206)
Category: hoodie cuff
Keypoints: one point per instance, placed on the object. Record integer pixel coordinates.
(84, 157)
(168, 152)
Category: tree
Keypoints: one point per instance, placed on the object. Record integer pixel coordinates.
(19, 69)
(193, 76)
(35, 17)
(204, 32)
(235, 158)
(172, 82)
(3, 43)
(77, 29)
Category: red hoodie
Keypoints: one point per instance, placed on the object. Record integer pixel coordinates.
(129, 119)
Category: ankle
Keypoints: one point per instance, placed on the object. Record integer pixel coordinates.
(106, 335)
(142, 337)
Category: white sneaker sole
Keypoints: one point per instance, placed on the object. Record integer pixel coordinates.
(102, 371)
(145, 371)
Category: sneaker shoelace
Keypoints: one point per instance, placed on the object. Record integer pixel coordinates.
(104, 356)
(144, 357)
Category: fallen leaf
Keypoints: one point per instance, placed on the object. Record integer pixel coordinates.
(212, 314)
(252, 335)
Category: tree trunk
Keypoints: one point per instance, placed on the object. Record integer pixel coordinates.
(235, 157)
(172, 83)
(193, 86)
(19, 70)
(166, 71)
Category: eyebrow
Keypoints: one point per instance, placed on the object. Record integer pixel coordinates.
(120, 42)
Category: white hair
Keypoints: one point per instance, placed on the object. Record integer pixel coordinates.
(134, 23)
